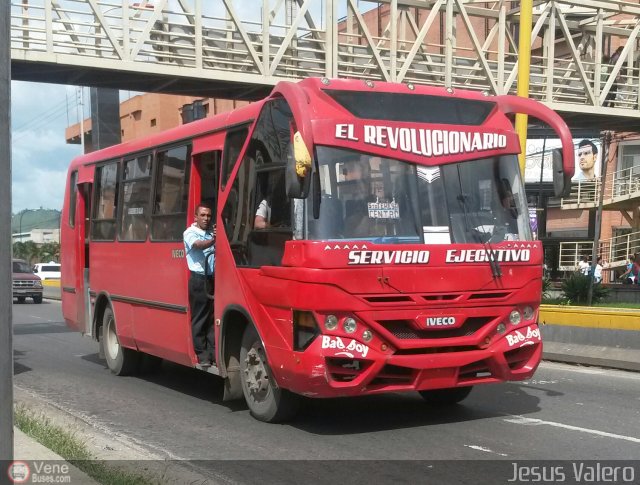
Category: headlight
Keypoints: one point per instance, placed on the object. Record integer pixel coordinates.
(331, 322)
(349, 325)
(37, 284)
(514, 317)
(528, 313)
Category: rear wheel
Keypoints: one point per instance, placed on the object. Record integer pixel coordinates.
(21, 299)
(37, 299)
(120, 360)
(446, 397)
(266, 401)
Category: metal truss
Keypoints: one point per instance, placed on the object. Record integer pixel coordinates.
(455, 43)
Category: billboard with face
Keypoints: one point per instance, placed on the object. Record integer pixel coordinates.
(587, 152)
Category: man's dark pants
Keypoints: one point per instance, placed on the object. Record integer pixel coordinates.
(202, 317)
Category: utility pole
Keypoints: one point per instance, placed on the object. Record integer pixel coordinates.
(6, 295)
(606, 139)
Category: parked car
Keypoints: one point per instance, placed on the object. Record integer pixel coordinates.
(47, 271)
(25, 283)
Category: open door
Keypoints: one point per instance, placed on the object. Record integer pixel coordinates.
(83, 212)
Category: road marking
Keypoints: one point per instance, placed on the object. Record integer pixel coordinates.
(537, 422)
(486, 450)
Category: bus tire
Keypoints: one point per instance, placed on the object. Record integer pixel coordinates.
(267, 402)
(446, 397)
(120, 360)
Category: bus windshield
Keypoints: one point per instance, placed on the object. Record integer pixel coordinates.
(383, 200)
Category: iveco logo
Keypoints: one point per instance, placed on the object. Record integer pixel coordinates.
(441, 321)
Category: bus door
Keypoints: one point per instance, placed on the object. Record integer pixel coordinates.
(83, 213)
(205, 173)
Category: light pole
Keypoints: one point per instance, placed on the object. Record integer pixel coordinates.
(20, 225)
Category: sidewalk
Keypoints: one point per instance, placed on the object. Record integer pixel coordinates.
(26, 449)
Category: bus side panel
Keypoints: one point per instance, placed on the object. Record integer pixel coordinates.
(150, 279)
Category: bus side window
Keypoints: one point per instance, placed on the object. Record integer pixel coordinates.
(233, 144)
(136, 187)
(103, 224)
(73, 195)
(169, 216)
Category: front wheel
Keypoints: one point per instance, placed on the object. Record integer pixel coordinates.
(446, 397)
(266, 401)
(120, 360)
(37, 299)
(21, 299)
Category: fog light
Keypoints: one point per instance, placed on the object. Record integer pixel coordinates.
(528, 313)
(514, 317)
(411, 86)
(367, 335)
(331, 322)
(349, 325)
(325, 81)
(369, 83)
(501, 328)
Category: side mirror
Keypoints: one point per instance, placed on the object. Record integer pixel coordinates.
(298, 171)
(561, 181)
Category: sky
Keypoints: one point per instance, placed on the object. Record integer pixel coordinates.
(40, 156)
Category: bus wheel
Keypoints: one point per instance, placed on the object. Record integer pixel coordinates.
(445, 397)
(266, 401)
(120, 360)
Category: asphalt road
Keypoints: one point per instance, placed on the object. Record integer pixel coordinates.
(564, 413)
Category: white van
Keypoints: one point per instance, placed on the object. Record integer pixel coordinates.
(47, 271)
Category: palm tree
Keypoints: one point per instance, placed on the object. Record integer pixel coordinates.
(31, 252)
(19, 250)
(50, 252)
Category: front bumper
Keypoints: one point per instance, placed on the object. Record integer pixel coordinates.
(29, 293)
(339, 366)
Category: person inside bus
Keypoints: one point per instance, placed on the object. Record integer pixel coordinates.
(263, 215)
(199, 243)
(357, 222)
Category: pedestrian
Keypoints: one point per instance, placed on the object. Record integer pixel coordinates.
(628, 278)
(199, 243)
(584, 266)
(597, 273)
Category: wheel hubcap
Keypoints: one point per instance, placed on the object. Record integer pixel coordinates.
(255, 374)
(113, 347)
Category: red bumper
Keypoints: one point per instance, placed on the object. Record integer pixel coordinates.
(339, 366)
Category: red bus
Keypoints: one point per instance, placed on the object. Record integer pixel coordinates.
(398, 256)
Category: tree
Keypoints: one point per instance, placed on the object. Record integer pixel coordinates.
(50, 252)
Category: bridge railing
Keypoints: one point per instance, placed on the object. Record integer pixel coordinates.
(614, 251)
(584, 194)
(443, 42)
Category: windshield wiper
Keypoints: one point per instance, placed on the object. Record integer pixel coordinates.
(496, 271)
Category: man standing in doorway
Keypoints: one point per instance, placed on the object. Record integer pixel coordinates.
(199, 243)
(587, 156)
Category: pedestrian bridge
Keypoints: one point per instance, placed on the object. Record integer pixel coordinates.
(240, 48)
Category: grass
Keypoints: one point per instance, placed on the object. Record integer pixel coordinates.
(73, 449)
(634, 306)
(562, 301)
